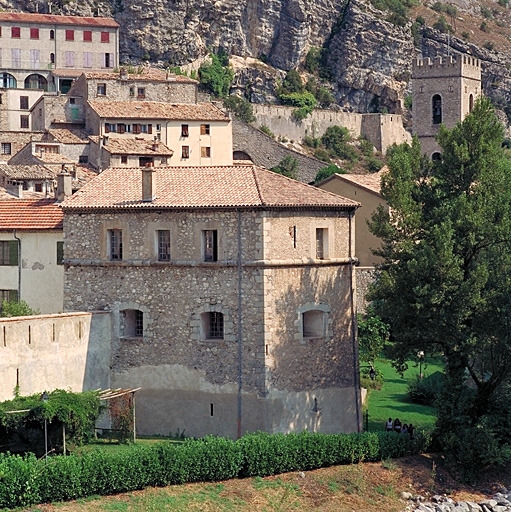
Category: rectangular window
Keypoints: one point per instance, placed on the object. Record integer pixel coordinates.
(163, 245)
(210, 244)
(70, 35)
(121, 128)
(34, 33)
(204, 129)
(216, 325)
(136, 129)
(70, 59)
(184, 130)
(101, 90)
(107, 60)
(132, 91)
(15, 32)
(105, 37)
(24, 102)
(320, 243)
(139, 323)
(87, 59)
(124, 159)
(141, 92)
(87, 35)
(6, 148)
(115, 240)
(185, 152)
(8, 295)
(9, 253)
(83, 159)
(24, 123)
(205, 152)
(16, 57)
(34, 59)
(60, 253)
(143, 128)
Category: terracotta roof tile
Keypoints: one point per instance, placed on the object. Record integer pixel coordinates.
(53, 158)
(30, 215)
(371, 182)
(117, 146)
(26, 172)
(203, 187)
(53, 19)
(157, 110)
(141, 74)
(68, 136)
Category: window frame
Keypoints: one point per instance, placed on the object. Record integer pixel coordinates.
(185, 152)
(105, 37)
(34, 33)
(60, 253)
(115, 246)
(185, 130)
(15, 32)
(69, 34)
(205, 151)
(4, 146)
(101, 87)
(24, 103)
(205, 129)
(209, 245)
(9, 253)
(321, 245)
(87, 36)
(213, 326)
(163, 245)
(24, 121)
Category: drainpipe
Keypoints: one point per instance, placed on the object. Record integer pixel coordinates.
(19, 263)
(240, 353)
(354, 329)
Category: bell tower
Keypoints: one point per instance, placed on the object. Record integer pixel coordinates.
(443, 92)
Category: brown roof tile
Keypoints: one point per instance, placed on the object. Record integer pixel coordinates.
(117, 146)
(146, 73)
(68, 136)
(203, 187)
(26, 172)
(157, 110)
(53, 158)
(53, 19)
(30, 215)
(371, 182)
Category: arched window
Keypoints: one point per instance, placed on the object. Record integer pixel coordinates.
(52, 34)
(212, 325)
(437, 109)
(8, 81)
(470, 102)
(52, 58)
(436, 156)
(36, 81)
(132, 323)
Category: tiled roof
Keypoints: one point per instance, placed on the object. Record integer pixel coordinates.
(70, 73)
(203, 187)
(144, 73)
(53, 158)
(26, 172)
(157, 110)
(117, 146)
(30, 214)
(67, 136)
(371, 182)
(53, 19)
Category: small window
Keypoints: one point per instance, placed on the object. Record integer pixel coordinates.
(212, 325)
(132, 323)
(470, 102)
(15, 32)
(313, 323)
(124, 159)
(70, 35)
(87, 35)
(437, 108)
(163, 245)
(60, 253)
(184, 130)
(115, 244)
(185, 152)
(105, 37)
(72, 101)
(6, 148)
(143, 128)
(101, 90)
(141, 92)
(52, 34)
(52, 58)
(136, 129)
(121, 128)
(9, 296)
(132, 91)
(9, 253)
(210, 244)
(205, 152)
(83, 159)
(321, 243)
(38, 187)
(34, 33)
(204, 129)
(24, 102)
(24, 123)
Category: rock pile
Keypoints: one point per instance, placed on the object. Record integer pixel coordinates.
(501, 502)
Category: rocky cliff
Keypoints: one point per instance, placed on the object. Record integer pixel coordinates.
(369, 58)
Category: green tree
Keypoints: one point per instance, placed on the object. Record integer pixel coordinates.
(16, 308)
(373, 333)
(336, 140)
(288, 166)
(240, 107)
(327, 171)
(445, 282)
(216, 76)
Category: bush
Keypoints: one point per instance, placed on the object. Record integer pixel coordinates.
(322, 154)
(312, 142)
(16, 308)
(328, 171)
(484, 27)
(427, 389)
(240, 107)
(267, 131)
(336, 140)
(288, 166)
(373, 164)
(217, 76)
(442, 26)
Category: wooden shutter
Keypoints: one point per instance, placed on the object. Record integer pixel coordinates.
(13, 252)
(149, 128)
(107, 127)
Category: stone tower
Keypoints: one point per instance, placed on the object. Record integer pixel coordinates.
(444, 91)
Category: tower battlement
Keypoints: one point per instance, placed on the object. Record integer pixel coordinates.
(439, 67)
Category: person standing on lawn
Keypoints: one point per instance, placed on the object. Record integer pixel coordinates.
(389, 425)
(397, 426)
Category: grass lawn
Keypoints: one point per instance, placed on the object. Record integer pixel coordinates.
(392, 400)
(113, 446)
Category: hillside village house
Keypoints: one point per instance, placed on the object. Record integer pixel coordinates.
(231, 296)
(31, 253)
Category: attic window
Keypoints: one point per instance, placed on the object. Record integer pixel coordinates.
(101, 91)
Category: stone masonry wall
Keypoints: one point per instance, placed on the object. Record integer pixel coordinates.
(18, 141)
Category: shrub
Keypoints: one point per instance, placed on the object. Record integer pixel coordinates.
(425, 390)
(312, 142)
(16, 308)
(486, 12)
(240, 107)
(373, 164)
(217, 76)
(324, 173)
(267, 131)
(408, 101)
(484, 27)
(336, 140)
(489, 45)
(465, 35)
(288, 166)
(322, 154)
(442, 26)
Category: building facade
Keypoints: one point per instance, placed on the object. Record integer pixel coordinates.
(443, 91)
(231, 293)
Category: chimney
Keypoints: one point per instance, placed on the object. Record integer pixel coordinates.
(123, 74)
(63, 185)
(20, 190)
(148, 184)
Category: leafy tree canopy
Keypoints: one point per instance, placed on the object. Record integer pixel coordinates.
(217, 76)
(288, 166)
(16, 308)
(445, 283)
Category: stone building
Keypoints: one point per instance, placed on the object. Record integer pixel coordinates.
(231, 293)
(443, 91)
(31, 253)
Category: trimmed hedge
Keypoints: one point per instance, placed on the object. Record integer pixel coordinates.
(27, 481)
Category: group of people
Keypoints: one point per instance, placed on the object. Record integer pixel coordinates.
(395, 426)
